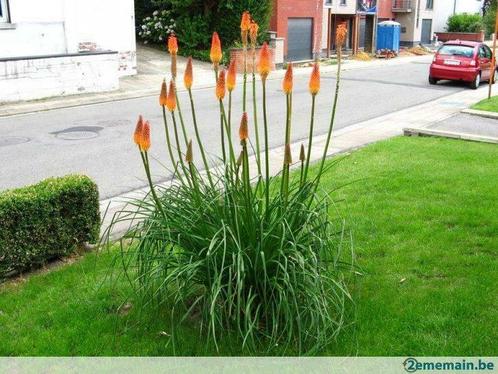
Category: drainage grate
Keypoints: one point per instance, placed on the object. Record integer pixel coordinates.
(5, 141)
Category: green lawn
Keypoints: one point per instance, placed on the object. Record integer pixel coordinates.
(423, 214)
(490, 105)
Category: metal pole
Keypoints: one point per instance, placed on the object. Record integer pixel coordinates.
(493, 59)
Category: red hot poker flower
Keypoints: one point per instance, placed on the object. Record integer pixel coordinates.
(232, 76)
(163, 97)
(137, 135)
(314, 85)
(188, 76)
(172, 45)
(244, 128)
(288, 83)
(171, 101)
(220, 86)
(264, 63)
(216, 54)
(145, 140)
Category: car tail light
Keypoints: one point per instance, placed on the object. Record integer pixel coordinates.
(434, 58)
(473, 63)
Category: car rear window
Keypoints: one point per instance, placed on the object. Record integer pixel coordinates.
(456, 50)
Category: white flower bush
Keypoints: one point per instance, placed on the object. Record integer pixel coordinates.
(158, 27)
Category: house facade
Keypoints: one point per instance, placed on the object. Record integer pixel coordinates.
(299, 23)
(443, 9)
(61, 47)
(360, 19)
(417, 20)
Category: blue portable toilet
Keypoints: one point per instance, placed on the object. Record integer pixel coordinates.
(388, 35)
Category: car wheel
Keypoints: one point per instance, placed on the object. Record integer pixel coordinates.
(477, 81)
(432, 80)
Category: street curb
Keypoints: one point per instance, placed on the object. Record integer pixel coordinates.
(481, 113)
(449, 134)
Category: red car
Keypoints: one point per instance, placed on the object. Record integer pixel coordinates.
(460, 60)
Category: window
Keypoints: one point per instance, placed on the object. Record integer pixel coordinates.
(328, 2)
(343, 2)
(4, 11)
(487, 51)
(429, 4)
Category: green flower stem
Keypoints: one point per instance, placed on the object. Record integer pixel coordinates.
(301, 178)
(184, 131)
(285, 169)
(267, 160)
(229, 130)
(332, 119)
(244, 94)
(177, 140)
(145, 160)
(197, 135)
(225, 123)
(168, 143)
(310, 140)
(255, 114)
(222, 131)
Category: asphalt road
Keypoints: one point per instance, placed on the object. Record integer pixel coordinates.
(97, 139)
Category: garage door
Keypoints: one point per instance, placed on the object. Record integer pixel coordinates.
(299, 39)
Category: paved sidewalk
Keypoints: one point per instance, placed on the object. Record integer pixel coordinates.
(154, 66)
(346, 139)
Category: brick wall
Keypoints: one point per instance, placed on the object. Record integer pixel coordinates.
(384, 9)
(238, 55)
(446, 36)
(284, 9)
(36, 78)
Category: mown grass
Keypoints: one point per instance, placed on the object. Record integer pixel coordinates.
(490, 105)
(423, 213)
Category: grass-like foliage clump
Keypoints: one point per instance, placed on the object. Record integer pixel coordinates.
(252, 255)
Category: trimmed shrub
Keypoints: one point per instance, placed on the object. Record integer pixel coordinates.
(46, 221)
(465, 23)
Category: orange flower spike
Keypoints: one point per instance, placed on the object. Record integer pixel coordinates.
(340, 34)
(245, 22)
(137, 135)
(216, 54)
(244, 128)
(172, 45)
(221, 86)
(288, 80)
(264, 63)
(245, 25)
(188, 76)
(171, 101)
(232, 76)
(314, 84)
(253, 33)
(145, 141)
(163, 97)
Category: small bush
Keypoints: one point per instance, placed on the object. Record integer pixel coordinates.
(46, 221)
(465, 23)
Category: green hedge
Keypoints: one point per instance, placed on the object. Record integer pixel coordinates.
(46, 221)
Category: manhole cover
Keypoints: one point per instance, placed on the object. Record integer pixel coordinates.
(78, 133)
(12, 140)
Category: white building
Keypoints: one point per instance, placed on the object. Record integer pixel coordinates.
(62, 47)
(443, 9)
